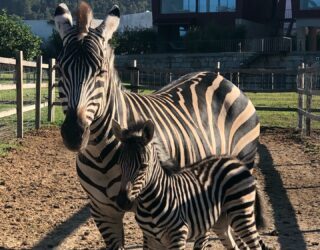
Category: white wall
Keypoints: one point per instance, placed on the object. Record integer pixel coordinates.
(43, 29)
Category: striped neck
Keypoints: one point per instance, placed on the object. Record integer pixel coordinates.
(111, 108)
(159, 188)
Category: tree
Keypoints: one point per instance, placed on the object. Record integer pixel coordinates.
(15, 36)
(53, 46)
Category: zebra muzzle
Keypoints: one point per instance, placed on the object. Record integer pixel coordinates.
(123, 202)
(75, 134)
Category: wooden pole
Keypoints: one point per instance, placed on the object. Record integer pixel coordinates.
(308, 106)
(38, 92)
(51, 95)
(19, 94)
(134, 77)
(300, 84)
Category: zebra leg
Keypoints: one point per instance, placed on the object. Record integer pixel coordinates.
(246, 228)
(202, 242)
(109, 223)
(175, 238)
(225, 233)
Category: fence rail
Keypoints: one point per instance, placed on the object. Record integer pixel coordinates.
(307, 79)
(12, 100)
(304, 81)
(248, 80)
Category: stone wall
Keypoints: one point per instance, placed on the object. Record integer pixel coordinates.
(228, 60)
(184, 62)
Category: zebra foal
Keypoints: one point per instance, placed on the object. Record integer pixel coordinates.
(173, 207)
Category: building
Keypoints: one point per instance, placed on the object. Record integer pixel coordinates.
(307, 17)
(262, 18)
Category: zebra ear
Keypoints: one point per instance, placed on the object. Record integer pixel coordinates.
(110, 24)
(117, 131)
(63, 19)
(147, 131)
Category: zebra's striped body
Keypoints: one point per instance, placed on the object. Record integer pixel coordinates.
(172, 208)
(198, 115)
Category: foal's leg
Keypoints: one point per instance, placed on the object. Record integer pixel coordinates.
(243, 224)
(202, 242)
(176, 238)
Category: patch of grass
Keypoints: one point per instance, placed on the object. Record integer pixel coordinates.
(5, 148)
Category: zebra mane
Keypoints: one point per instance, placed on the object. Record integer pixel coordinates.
(113, 76)
(168, 164)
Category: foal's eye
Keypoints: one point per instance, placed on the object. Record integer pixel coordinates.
(144, 166)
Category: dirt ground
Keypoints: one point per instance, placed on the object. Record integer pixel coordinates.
(42, 205)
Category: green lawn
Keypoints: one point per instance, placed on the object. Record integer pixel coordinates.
(267, 118)
(28, 97)
(280, 100)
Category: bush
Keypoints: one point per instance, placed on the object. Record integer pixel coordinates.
(52, 46)
(139, 41)
(213, 38)
(15, 36)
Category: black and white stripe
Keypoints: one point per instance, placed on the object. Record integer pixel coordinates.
(172, 208)
(196, 116)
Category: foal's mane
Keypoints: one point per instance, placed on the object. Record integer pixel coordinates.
(133, 136)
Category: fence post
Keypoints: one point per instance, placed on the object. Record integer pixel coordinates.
(51, 94)
(134, 77)
(300, 84)
(170, 77)
(19, 94)
(238, 79)
(308, 105)
(38, 92)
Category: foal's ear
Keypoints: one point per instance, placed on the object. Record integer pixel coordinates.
(116, 130)
(147, 131)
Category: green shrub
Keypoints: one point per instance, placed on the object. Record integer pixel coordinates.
(15, 36)
(138, 41)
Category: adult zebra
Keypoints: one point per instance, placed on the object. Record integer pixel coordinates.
(199, 115)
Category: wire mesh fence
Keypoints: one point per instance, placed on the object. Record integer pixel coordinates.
(7, 101)
(10, 100)
(272, 91)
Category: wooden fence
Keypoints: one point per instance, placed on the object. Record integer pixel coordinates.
(303, 77)
(306, 79)
(299, 80)
(19, 85)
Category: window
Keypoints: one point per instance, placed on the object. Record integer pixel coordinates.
(217, 5)
(178, 6)
(182, 31)
(309, 4)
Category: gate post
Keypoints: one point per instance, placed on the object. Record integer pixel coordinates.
(38, 92)
(134, 77)
(19, 94)
(300, 85)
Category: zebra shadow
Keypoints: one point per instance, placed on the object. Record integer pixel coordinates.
(286, 224)
(62, 231)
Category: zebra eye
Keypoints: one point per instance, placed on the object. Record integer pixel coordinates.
(103, 72)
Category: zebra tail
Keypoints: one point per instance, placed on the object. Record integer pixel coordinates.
(260, 210)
